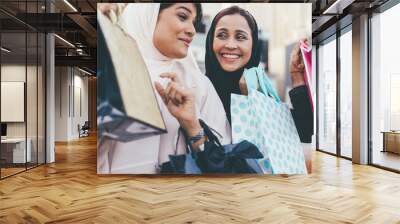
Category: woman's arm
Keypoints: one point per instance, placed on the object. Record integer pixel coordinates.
(180, 102)
(302, 113)
(302, 109)
(304, 120)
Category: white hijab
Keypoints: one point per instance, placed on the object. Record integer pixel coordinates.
(139, 21)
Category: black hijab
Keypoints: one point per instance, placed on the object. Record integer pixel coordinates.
(228, 82)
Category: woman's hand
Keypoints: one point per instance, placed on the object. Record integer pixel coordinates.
(180, 103)
(297, 67)
(105, 8)
(111, 10)
(243, 86)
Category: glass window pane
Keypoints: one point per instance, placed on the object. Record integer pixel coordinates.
(32, 88)
(13, 87)
(385, 89)
(23, 84)
(314, 96)
(41, 98)
(31, 97)
(346, 94)
(327, 97)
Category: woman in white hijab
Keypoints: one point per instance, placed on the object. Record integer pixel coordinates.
(163, 34)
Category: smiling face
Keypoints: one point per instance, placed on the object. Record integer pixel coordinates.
(175, 30)
(232, 42)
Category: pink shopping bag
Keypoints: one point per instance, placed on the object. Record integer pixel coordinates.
(306, 52)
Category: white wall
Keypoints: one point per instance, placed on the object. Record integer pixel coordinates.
(16, 73)
(80, 110)
(71, 102)
(61, 103)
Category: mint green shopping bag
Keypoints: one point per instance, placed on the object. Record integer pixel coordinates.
(262, 119)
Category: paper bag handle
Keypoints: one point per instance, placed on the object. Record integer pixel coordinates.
(255, 77)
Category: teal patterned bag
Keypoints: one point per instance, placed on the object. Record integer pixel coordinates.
(262, 119)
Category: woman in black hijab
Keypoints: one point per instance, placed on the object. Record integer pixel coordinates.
(232, 46)
(227, 82)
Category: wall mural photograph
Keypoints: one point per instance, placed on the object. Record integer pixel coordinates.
(204, 88)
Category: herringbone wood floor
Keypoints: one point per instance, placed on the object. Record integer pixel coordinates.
(70, 191)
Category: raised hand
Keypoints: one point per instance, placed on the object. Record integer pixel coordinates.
(297, 67)
(243, 86)
(111, 10)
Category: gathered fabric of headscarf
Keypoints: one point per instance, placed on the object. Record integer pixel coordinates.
(139, 20)
(227, 82)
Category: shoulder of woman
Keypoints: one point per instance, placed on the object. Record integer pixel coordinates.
(208, 88)
(201, 85)
(205, 80)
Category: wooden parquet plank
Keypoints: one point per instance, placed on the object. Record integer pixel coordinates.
(70, 191)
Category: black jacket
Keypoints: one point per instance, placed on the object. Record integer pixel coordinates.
(302, 113)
